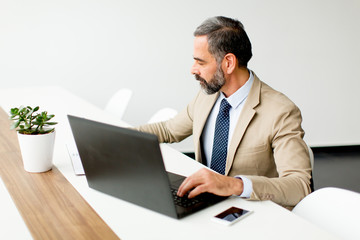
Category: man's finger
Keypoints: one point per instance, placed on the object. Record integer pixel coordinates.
(196, 191)
(188, 184)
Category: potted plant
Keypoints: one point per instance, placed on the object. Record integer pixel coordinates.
(36, 137)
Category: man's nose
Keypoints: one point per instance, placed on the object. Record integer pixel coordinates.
(194, 70)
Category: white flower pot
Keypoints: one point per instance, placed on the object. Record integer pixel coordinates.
(37, 151)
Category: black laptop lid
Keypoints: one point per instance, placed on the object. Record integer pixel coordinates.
(123, 163)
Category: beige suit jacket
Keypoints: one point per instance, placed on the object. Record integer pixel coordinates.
(267, 145)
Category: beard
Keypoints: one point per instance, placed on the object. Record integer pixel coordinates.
(215, 84)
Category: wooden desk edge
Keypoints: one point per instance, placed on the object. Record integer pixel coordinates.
(48, 203)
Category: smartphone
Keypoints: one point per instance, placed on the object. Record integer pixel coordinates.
(231, 215)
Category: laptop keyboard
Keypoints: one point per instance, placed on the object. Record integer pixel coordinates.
(184, 201)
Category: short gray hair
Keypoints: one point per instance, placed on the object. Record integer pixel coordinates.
(226, 35)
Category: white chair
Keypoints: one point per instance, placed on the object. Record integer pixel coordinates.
(335, 210)
(119, 102)
(163, 115)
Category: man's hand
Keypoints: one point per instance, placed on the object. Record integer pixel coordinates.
(206, 180)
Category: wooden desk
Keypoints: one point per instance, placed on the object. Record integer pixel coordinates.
(48, 203)
(59, 204)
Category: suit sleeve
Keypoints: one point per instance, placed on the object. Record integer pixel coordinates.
(175, 129)
(292, 161)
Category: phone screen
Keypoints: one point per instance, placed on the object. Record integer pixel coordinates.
(232, 214)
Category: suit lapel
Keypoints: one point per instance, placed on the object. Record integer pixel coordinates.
(245, 118)
(202, 115)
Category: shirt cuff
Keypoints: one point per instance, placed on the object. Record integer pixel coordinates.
(248, 188)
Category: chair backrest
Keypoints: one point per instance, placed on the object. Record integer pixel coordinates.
(163, 115)
(119, 102)
(311, 157)
(335, 210)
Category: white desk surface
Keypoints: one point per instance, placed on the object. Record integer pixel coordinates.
(128, 221)
(11, 217)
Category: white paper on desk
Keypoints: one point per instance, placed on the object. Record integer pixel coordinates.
(75, 159)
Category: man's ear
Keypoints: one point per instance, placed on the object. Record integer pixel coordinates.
(229, 63)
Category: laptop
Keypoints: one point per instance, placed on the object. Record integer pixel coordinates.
(128, 164)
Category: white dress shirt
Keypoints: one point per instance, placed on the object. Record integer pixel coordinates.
(237, 101)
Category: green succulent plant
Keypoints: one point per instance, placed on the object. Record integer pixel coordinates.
(26, 120)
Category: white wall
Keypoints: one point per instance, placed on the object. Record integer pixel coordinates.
(307, 49)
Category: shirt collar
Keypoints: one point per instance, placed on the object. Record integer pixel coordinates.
(241, 94)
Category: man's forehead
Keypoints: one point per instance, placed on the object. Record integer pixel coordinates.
(201, 41)
(201, 50)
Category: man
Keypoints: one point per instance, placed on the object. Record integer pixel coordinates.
(253, 139)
